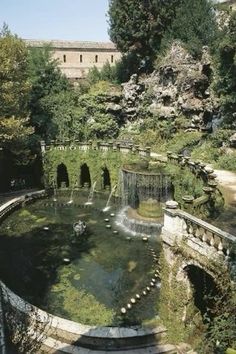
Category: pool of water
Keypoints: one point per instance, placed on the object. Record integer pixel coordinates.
(106, 269)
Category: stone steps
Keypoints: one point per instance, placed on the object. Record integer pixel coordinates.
(106, 338)
(54, 346)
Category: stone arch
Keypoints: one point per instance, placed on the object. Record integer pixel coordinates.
(85, 179)
(62, 176)
(204, 287)
(106, 179)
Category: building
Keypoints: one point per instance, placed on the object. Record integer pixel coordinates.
(77, 57)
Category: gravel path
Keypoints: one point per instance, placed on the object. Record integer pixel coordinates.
(227, 181)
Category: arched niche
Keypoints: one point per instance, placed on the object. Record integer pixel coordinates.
(85, 179)
(106, 180)
(62, 176)
(204, 288)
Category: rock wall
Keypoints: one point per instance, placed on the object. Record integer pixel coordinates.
(181, 86)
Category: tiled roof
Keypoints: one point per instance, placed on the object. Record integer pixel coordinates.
(70, 44)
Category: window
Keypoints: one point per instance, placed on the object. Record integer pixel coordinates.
(64, 58)
(81, 58)
(112, 58)
(96, 58)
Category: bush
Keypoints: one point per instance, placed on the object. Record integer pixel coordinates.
(227, 162)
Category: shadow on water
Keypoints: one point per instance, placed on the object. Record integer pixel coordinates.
(29, 262)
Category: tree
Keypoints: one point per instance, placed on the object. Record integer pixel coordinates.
(46, 81)
(194, 24)
(226, 85)
(14, 92)
(137, 26)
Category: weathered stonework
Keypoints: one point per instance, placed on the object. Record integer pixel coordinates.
(181, 86)
(76, 58)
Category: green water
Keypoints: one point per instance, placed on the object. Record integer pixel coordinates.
(105, 272)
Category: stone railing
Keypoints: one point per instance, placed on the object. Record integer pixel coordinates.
(201, 236)
(200, 170)
(9, 206)
(123, 148)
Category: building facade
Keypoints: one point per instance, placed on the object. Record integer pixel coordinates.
(76, 58)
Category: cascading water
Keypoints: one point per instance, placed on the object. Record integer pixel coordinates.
(91, 193)
(71, 194)
(107, 207)
(54, 191)
(141, 196)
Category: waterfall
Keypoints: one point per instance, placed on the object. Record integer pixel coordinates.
(54, 191)
(137, 227)
(71, 194)
(91, 192)
(136, 187)
(107, 207)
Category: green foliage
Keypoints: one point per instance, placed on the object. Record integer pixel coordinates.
(138, 26)
(14, 94)
(221, 331)
(128, 65)
(94, 75)
(226, 85)
(227, 162)
(195, 25)
(91, 115)
(61, 113)
(48, 86)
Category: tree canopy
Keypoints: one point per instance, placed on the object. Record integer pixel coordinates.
(195, 25)
(49, 88)
(14, 92)
(227, 72)
(137, 26)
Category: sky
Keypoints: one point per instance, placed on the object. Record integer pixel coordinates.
(56, 19)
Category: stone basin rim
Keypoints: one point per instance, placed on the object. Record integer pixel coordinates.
(76, 328)
(66, 325)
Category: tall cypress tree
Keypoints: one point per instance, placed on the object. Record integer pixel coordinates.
(195, 25)
(137, 26)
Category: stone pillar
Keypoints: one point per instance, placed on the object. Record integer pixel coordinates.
(173, 224)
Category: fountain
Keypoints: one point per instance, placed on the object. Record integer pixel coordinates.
(107, 207)
(143, 192)
(79, 228)
(54, 191)
(91, 192)
(71, 194)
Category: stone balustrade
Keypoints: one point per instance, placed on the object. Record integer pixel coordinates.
(201, 236)
(101, 146)
(199, 169)
(7, 207)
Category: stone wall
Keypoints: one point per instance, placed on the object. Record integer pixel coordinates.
(76, 57)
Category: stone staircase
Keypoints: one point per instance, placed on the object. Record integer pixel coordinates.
(54, 346)
(107, 340)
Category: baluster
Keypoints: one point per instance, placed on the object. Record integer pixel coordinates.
(185, 228)
(204, 235)
(212, 240)
(198, 232)
(227, 257)
(220, 247)
(190, 230)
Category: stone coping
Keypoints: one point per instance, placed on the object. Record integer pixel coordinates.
(146, 173)
(64, 44)
(73, 327)
(215, 230)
